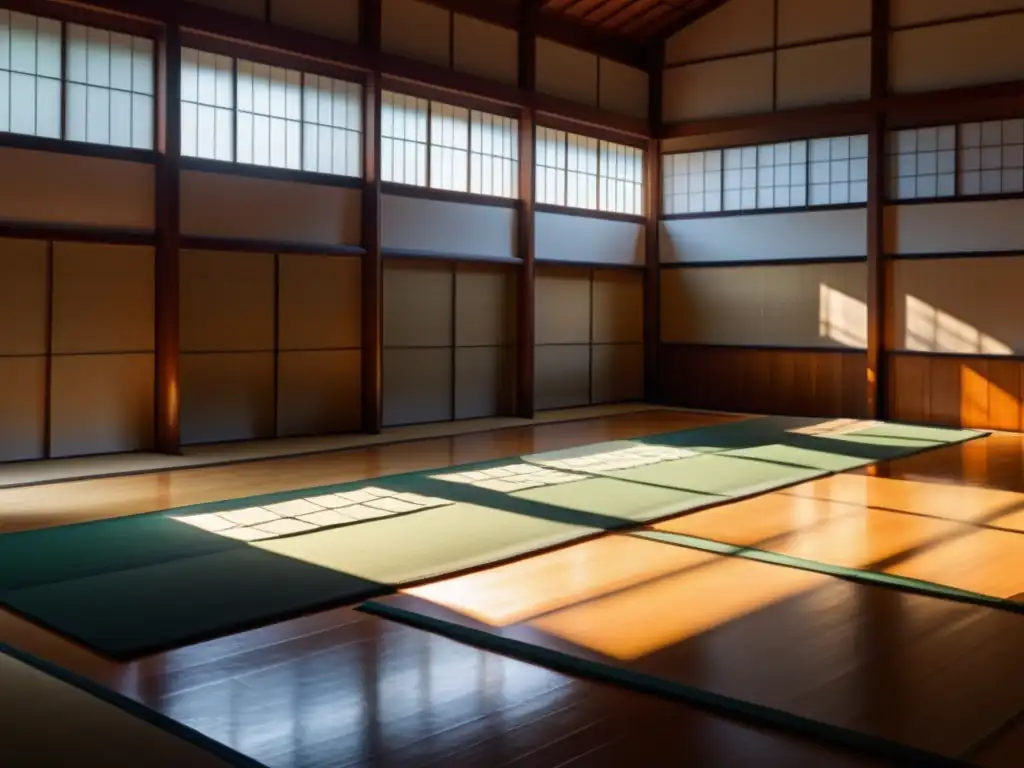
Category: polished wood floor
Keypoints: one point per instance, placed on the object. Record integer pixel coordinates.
(341, 688)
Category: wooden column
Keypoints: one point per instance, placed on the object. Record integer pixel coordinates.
(525, 318)
(877, 295)
(652, 210)
(168, 242)
(372, 266)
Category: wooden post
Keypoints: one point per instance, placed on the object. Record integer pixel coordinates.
(652, 258)
(372, 264)
(877, 295)
(168, 244)
(525, 319)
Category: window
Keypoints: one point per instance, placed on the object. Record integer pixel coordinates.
(740, 181)
(581, 172)
(992, 157)
(258, 114)
(782, 175)
(692, 182)
(30, 75)
(922, 163)
(838, 170)
(441, 146)
(109, 88)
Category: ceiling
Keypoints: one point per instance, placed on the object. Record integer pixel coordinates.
(640, 21)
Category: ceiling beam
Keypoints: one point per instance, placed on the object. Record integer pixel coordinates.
(689, 18)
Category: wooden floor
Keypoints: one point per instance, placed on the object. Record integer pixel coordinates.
(341, 688)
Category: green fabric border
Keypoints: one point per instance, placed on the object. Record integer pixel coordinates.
(134, 709)
(890, 581)
(753, 714)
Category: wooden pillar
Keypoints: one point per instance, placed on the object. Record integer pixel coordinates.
(525, 318)
(372, 266)
(652, 209)
(168, 244)
(877, 295)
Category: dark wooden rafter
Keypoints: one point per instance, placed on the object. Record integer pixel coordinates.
(652, 252)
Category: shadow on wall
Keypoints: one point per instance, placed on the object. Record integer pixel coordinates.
(842, 318)
(931, 330)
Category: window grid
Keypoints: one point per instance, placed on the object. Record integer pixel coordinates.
(581, 172)
(449, 147)
(332, 115)
(404, 139)
(692, 182)
(782, 175)
(922, 163)
(110, 88)
(991, 157)
(493, 155)
(30, 75)
(207, 105)
(620, 187)
(838, 170)
(268, 117)
(739, 179)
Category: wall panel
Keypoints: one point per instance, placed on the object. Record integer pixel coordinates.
(416, 30)
(222, 205)
(319, 302)
(829, 73)
(562, 376)
(735, 27)
(767, 236)
(55, 188)
(417, 304)
(227, 396)
(485, 305)
(616, 373)
(22, 407)
(331, 18)
(566, 72)
(447, 228)
(622, 89)
(24, 297)
(417, 385)
(101, 404)
(958, 306)
(959, 54)
(562, 306)
(617, 308)
(486, 50)
(318, 392)
(484, 381)
(719, 88)
(907, 12)
(808, 20)
(959, 227)
(568, 238)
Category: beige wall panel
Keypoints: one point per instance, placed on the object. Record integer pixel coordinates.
(960, 306)
(227, 301)
(24, 297)
(805, 305)
(103, 298)
(561, 376)
(957, 55)
(721, 88)
(254, 8)
(907, 12)
(617, 373)
(941, 228)
(227, 397)
(829, 73)
(417, 304)
(450, 229)
(318, 393)
(416, 30)
(55, 188)
(221, 205)
(807, 20)
(484, 382)
(319, 302)
(737, 26)
(566, 72)
(485, 305)
(623, 89)
(331, 18)
(803, 235)
(22, 408)
(618, 307)
(562, 237)
(562, 306)
(486, 50)
(417, 386)
(101, 404)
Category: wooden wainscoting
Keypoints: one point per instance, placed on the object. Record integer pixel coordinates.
(962, 391)
(791, 381)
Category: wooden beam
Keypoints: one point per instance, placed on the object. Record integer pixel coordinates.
(690, 18)
(652, 255)
(372, 263)
(525, 293)
(168, 245)
(877, 294)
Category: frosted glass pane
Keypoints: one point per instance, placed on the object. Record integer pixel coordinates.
(225, 82)
(278, 92)
(325, 149)
(5, 40)
(244, 79)
(97, 120)
(189, 75)
(225, 149)
(207, 78)
(261, 140)
(309, 147)
(142, 121)
(5, 100)
(143, 70)
(243, 123)
(261, 89)
(293, 95)
(207, 132)
(189, 130)
(120, 119)
(47, 108)
(23, 44)
(98, 57)
(23, 103)
(121, 62)
(48, 53)
(292, 144)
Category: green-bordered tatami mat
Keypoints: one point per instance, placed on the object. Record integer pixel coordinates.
(50, 717)
(132, 585)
